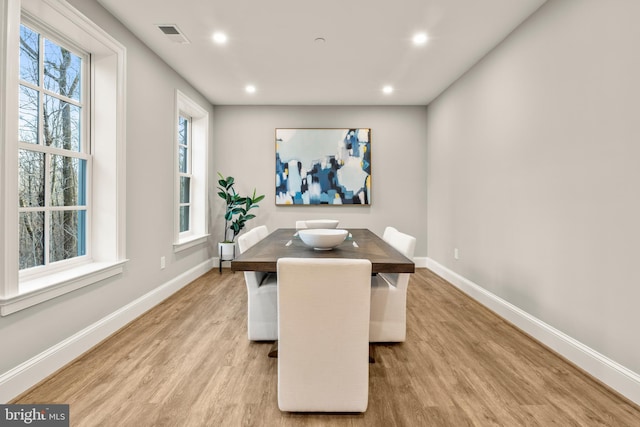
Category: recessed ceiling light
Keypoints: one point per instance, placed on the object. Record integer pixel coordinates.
(420, 38)
(387, 89)
(220, 38)
(320, 40)
(250, 89)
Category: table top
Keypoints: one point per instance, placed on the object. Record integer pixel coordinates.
(361, 244)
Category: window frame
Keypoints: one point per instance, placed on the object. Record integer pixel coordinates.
(184, 234)
(84, 152)
(107, 143)
(198, 232)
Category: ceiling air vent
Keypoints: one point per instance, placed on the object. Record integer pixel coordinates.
(173, 33)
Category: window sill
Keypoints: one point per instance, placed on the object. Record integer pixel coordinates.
(190, 242)
(51, 286)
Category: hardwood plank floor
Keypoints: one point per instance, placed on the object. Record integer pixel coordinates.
(188, 362)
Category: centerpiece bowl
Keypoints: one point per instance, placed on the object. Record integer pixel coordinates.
(322, 239)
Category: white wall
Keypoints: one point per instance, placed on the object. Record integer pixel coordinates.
(151, 87)
(532, 173)
(244, 138)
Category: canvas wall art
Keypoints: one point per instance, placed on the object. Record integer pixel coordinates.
(323, 167)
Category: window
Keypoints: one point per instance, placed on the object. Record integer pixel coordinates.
(53, 158)
(62, 201)
(191, 225)
(184, 172)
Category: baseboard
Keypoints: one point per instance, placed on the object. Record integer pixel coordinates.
(27, 374)
(225, 264)
(420, 262)
(611, 373)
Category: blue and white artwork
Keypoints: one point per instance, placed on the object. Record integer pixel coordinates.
(323, 166)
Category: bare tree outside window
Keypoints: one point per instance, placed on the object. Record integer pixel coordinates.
(52, 160)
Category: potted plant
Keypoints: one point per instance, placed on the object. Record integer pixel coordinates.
(236, 214)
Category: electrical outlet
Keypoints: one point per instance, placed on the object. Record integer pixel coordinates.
(162, 263)
(456, 254)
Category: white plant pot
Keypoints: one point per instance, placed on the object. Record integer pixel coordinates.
(226, 251)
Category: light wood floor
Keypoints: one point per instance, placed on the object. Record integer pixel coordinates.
(187, 362)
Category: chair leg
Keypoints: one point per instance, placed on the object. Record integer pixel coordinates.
(273, 352)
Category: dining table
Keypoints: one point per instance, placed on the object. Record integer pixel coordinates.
(361, 243)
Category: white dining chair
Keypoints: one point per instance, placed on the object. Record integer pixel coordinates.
(389, 294)
(262, 291)
(262, 231)
(300, 225)
(323, 329)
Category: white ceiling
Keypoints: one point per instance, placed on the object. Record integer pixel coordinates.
(368, 45)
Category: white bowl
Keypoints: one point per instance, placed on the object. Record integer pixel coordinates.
(322, 239)
(322, 223)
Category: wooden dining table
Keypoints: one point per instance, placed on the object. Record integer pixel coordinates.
(360, 244)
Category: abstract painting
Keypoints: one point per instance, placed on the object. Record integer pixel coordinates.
(323, 166)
